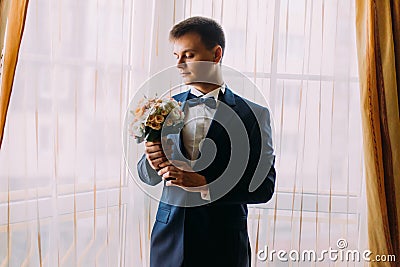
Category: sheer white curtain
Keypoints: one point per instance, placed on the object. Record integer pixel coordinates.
(63, 188)
(302, 55)
(66, 198)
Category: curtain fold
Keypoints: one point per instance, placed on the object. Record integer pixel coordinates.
(377, 26)
(14, 29)
(395, 9)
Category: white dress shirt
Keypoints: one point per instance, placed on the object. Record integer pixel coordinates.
(197, 124)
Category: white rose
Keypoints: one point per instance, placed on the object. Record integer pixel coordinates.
(137, 129)
(174, 115)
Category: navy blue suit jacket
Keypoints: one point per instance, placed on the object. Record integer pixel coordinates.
(215, 233)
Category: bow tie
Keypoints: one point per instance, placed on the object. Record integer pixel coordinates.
(208, 101)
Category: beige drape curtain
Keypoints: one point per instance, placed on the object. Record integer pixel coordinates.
(15, 11)
(4, 7)
(378, 43)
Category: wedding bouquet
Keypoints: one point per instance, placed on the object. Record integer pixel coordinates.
(154, 115)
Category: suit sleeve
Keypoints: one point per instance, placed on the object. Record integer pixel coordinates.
(258, 180)
(146, 173)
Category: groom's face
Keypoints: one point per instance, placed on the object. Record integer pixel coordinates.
(195, 62)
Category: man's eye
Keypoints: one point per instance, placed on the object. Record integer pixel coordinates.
(189, 56)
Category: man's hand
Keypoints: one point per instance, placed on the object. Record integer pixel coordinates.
(155, 154)
(180, 174)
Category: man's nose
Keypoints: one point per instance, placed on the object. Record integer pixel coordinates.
(181, 63)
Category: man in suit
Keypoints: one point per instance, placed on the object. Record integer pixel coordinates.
(221, 161)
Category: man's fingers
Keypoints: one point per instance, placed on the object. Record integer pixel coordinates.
(170, 174)
(157, 162)
(156, 155)
(172, 181)
(156, 146)
(152, 149)
(165, 164)
(150, 144)
(169, 171)
(162, 171)
(169, 183)
(181, 165)
(177, 164)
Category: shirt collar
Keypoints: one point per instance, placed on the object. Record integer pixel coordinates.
(214, 93)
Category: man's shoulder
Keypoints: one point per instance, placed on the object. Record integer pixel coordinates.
(256, 108)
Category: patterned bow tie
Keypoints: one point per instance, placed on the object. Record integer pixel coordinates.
(208, 101)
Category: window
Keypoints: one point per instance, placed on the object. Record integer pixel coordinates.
(63, 181)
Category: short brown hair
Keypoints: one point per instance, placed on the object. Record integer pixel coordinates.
(211, 33)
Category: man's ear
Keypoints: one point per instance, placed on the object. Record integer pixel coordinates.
(217, 54)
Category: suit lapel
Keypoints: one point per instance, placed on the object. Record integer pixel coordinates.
(225, 111)
(182, 97)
